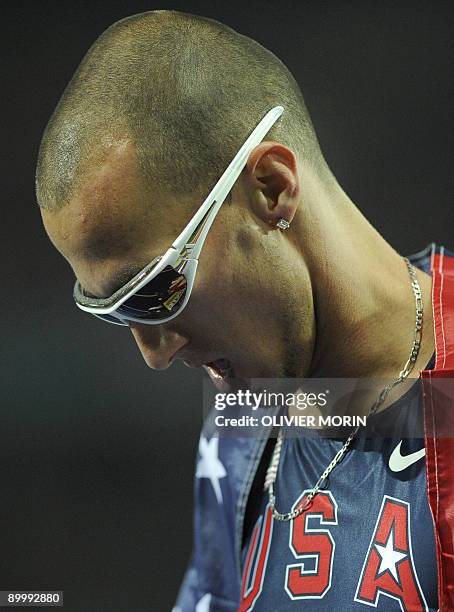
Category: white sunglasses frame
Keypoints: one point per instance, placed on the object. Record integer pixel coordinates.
(183, 255)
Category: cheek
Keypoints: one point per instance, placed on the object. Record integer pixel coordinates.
(233, 291)
(216, 300)
(233, 299)
(212, 291)
(224, 282)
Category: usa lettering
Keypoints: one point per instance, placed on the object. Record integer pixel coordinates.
(388, 569)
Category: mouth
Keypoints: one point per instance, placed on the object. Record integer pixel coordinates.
(221, 372)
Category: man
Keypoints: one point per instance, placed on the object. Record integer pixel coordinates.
(291, 282)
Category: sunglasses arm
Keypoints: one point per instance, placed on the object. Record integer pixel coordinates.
(207, 212)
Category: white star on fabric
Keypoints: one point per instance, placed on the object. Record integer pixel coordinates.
(203, 604)
(389, 556)
(209, 465)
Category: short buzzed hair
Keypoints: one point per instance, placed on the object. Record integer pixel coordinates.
(185, 89)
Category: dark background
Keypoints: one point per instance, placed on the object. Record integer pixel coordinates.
(97, 451)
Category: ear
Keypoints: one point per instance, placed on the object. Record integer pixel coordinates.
(273, 182)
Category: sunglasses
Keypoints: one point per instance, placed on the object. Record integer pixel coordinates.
(160, 291)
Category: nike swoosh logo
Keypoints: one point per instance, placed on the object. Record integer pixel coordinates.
(399, 462)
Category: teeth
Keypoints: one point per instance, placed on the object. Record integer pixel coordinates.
(214, 372)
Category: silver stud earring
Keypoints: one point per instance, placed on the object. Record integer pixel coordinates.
(283, 224)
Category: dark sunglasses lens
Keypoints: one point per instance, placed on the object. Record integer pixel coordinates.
(158, 299)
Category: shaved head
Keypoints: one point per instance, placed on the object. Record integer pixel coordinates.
(156, 110)
(184, 90)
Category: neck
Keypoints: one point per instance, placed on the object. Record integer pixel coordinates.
(363, 300)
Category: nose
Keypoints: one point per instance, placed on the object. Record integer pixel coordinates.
(157, 344)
